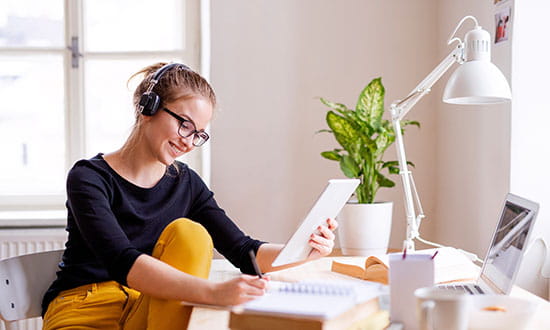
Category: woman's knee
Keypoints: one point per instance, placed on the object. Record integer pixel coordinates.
(187, 246)
(189, 231)
(184, 238)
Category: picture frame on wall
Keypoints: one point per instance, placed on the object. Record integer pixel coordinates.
(503, 23)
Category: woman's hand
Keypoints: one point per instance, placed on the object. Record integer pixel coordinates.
(238, 290)
(323, 241)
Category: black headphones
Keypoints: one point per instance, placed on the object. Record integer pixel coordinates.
(149, 102)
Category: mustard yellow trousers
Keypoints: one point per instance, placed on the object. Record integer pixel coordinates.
(184, 244)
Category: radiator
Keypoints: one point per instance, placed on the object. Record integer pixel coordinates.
(15, 242)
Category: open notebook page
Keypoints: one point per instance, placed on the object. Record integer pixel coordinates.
(313, 299)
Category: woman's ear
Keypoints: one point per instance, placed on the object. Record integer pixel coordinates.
(143, 118)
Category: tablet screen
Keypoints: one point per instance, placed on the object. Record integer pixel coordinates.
(328, 205)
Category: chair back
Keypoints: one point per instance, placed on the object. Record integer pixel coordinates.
(23, 282)
(531, 274)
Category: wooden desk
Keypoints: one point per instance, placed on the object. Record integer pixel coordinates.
(214, 319)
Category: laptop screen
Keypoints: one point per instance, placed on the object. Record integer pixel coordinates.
(508, 244)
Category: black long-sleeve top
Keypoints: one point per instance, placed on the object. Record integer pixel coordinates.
(112, 221)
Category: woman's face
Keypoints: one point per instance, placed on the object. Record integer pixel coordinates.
(161, 132)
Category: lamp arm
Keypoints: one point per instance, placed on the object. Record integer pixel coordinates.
(398, 111)
(424, 87)
(412, 219)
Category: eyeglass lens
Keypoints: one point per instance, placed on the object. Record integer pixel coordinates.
(187, 129)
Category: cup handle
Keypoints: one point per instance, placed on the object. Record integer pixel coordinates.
(426, 309)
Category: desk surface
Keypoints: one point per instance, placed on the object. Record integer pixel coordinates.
(204, 318)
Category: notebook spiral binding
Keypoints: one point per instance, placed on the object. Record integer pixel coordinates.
(315, 288)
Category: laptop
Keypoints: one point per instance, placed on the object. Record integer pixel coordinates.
(507, 248)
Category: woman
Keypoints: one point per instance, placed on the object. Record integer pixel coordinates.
(142, 225)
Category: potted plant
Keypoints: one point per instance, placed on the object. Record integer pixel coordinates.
(364, 136)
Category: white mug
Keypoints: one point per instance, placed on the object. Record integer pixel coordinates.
(438, 309)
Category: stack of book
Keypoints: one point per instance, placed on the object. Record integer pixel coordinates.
(313, 305)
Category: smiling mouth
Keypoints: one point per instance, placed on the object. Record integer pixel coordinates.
(176, 148)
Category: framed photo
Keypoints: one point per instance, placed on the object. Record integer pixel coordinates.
(503, 24)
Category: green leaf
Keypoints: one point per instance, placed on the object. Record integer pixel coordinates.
(382, 143)
(410, 122)
(393, 170)
(336, 106)
(370, 105)
(391, 163)
(349, 167)
(344, 132)
(384, 182)
(395, 163)
(393, 166)
(332, 155)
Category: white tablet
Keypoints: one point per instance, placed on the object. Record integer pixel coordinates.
(328, 205)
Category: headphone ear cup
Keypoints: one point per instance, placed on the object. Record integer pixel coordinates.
(150, 103)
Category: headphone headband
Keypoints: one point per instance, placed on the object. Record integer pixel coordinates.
(150, 101)
(158, 74)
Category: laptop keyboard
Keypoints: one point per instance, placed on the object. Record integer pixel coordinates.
(470, 289)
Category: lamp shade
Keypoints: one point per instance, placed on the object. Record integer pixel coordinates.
(477, 82)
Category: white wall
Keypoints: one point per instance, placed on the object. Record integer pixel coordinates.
(530, 117)
(271, 60)
(473, 150)
(482, 155)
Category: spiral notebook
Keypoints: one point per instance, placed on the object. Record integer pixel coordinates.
(312, 299)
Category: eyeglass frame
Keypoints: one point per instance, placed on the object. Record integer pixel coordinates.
(199, 135)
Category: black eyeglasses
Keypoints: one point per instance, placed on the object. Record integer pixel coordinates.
(187, 128)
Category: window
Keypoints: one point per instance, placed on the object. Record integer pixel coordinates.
(63, 71)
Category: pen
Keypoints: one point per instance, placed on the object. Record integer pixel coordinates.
(404, 253)
(436, 252)
(254, 264)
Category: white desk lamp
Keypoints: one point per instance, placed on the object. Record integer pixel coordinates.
(475, 81)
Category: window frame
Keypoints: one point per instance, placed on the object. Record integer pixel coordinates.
(196, 18)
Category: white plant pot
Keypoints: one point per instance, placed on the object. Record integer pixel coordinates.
(364, 229)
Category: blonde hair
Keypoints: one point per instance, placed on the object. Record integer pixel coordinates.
(179, 81)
